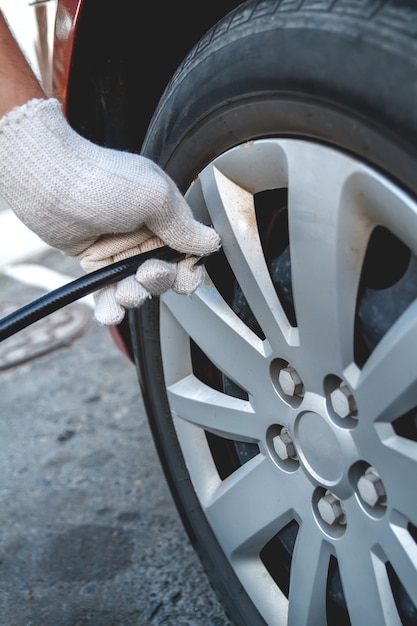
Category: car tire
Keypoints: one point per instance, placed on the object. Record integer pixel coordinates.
(306, 104)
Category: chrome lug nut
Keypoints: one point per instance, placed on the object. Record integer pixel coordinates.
(342, 402)
(331, 509)
(371, 488)
(284, 445)
(291, 383)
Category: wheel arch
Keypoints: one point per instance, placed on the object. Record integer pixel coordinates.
(122, 59)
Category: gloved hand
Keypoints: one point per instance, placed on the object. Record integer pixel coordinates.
(98, 205)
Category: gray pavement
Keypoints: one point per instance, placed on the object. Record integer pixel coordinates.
(89, 532)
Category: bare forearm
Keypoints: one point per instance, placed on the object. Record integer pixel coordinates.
(18, 83)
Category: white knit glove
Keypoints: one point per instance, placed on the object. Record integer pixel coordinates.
(98, 205)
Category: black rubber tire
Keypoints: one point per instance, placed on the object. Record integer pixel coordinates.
(342, 73)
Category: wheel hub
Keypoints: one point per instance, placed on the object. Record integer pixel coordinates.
(318, 448)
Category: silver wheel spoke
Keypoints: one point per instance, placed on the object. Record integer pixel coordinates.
(258, 516)
(383, 388)
(324, 274)
(214, 411)
(310, 564)
(401, 551)
(231, 207)
(366, 588)
(204, 310)
(398, 465)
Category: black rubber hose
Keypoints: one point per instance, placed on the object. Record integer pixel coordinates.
(54, 300)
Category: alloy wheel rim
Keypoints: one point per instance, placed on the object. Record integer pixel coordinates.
(350, 416)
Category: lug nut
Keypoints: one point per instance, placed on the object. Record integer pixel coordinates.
(343, 402)
(284, 445)
(371, 488)
(331, 509)
(291, 383)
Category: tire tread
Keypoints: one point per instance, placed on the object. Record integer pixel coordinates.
(400, 18)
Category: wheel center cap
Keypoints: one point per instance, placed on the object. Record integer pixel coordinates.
(318, 447)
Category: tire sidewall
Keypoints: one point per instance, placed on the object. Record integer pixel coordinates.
(330, 78)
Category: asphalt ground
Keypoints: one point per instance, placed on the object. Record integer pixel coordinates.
(89, 532)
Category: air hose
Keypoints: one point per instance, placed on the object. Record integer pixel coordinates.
(76, 289)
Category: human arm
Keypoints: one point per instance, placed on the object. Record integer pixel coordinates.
(18, 82)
